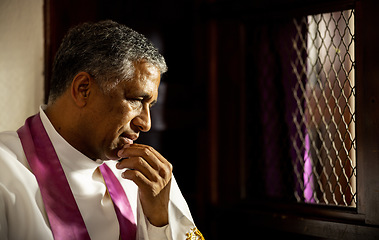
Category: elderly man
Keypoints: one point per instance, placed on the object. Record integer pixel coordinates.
(57, 177)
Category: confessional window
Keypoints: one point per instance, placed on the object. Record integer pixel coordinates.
(304, 93)
(324, 141)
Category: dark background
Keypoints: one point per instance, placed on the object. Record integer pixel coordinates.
(212, 110)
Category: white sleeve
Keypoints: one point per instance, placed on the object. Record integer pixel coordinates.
(3, 219)
(145, 230)
(179, 218)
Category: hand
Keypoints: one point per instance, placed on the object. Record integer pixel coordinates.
(152, 174)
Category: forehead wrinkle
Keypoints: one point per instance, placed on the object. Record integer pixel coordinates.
(144, 84)
(139, 88)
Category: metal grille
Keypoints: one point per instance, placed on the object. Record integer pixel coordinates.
(325, 144)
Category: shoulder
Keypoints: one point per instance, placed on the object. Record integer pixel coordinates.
(11, 149)
(16, 180)
(9, 141)
(14, 166)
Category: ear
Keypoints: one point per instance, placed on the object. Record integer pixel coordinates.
(81, 88)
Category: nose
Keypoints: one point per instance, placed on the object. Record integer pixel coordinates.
(143, 119)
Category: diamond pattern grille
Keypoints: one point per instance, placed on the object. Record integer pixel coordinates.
(325, 144)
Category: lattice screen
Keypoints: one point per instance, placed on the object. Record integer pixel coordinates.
(325, 142)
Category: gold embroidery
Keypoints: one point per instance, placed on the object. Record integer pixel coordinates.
(194, 234)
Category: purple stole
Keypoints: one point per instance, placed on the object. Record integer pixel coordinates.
(64, 216)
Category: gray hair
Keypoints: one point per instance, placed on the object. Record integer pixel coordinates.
(106, 50)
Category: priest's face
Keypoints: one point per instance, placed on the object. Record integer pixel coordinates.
(119, 114)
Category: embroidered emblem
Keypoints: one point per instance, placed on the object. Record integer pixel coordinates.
(194, 234)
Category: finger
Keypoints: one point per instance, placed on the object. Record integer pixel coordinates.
(139, 179)
(152, 157)
(146, 152)
(145, 185)
(157, 154)
(141, 165)
(165, 169)
(160, 157)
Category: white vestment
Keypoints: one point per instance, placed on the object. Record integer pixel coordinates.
(22, 212)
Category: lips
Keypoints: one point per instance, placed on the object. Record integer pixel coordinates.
(128, 138)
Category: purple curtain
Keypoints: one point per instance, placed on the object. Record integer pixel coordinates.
(273, 81)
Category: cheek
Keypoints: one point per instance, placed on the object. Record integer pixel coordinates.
(120, 119)
(124, 115)
(118, 126)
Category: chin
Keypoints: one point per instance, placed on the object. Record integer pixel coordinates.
(112, 155)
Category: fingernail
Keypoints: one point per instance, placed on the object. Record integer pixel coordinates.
(118, 165)
(120, 152)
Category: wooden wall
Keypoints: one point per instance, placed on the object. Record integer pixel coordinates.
(205, 110)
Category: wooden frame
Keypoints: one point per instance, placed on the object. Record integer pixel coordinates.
(368, 110)
(303, 219)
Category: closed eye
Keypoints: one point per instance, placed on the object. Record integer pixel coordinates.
(135, 102)
(141, 100)
(153, 103)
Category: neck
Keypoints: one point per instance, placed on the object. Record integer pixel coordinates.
(57, 113)
(71, 122)
(64, 117)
